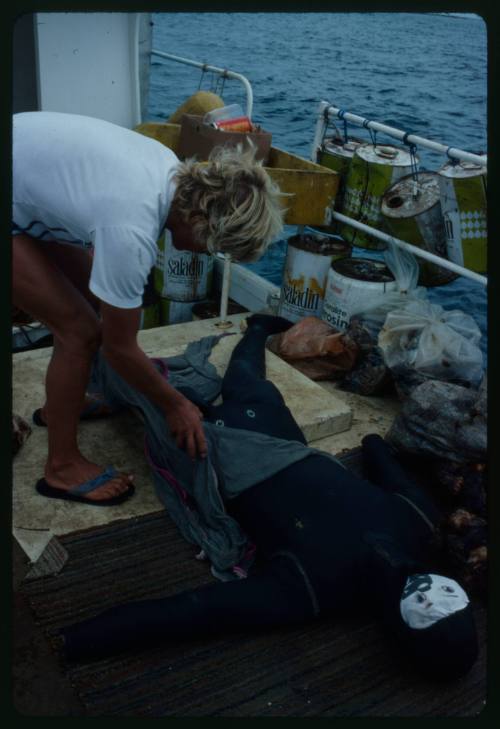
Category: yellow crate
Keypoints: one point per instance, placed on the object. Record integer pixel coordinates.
(312, 188)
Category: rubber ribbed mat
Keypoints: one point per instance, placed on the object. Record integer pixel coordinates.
(327, 668)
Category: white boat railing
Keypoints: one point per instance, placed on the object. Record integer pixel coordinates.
(222, 72)
(443, 262)
(326, 112)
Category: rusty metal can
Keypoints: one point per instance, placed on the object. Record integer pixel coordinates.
(411, 209)
(464, 205)
(373, 169)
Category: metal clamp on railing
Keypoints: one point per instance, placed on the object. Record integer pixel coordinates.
(222, 72)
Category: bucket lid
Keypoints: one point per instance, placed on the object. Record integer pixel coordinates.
(338, 148)
(384, 154)
(363, 269)
(408, 197)
(462, 169)
(322, 245)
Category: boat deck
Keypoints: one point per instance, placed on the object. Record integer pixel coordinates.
(331, 420)
(70, 557)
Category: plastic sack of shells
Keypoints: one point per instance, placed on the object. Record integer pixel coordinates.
(443, 420)
(436, 343)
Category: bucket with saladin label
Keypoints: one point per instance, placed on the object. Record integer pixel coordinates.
(182, 275)
(354, 285)
(306, 267)
(373, 169)
(181, 279)
(175, 312)
(463, 202)
(336, 154)
(411, 209)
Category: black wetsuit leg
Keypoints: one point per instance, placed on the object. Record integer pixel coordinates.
(245, 377)
(382, 468)
(276, 597)
(250, 401)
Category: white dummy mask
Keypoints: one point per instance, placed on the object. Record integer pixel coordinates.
(428, 598)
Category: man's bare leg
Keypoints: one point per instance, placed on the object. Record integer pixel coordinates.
(41, 289)
(76, 264)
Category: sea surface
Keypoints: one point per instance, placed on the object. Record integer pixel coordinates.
(424, 73)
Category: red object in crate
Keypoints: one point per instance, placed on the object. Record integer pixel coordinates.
(239, 124)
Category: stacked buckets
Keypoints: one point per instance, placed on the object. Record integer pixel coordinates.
(182, 278)
(441, 212)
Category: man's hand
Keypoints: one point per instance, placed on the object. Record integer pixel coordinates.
(185, 423)
(119, 344)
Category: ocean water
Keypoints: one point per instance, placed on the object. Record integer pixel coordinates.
(421, 72)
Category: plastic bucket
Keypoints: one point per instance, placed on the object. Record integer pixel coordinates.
(306, 267)
(354, 285)
(373, 169)
(412, 212)
(464, 206)
(182, 275)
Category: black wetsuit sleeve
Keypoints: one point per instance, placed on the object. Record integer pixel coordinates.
(276, 597)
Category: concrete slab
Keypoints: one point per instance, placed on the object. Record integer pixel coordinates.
(369, 415)
(118, 440)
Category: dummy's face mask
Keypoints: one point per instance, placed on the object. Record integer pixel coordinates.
(429, 598)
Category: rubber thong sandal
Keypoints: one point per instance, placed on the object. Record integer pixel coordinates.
(74, 494)
(90, 411)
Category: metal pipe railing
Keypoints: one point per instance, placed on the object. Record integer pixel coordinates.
(327, 111)
(135, 65)
(223, 72)
(443, 262)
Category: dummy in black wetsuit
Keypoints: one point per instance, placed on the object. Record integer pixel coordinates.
(329, 541)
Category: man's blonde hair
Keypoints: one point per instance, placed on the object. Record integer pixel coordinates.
(230, 201)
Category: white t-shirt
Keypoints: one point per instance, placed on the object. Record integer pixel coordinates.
(92, 183)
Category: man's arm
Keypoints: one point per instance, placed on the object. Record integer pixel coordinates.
(121, 350)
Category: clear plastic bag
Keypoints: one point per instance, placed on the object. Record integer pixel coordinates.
(404, 267)
(438, 344)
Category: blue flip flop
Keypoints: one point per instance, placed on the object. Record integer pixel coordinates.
(74, 494)
(89, 412)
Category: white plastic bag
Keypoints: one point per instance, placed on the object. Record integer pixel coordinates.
(404, 267)
(438, 344)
